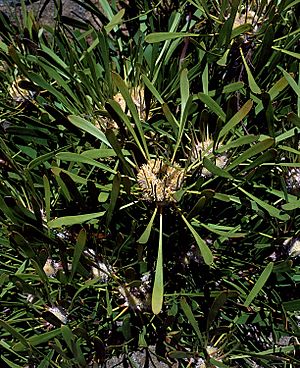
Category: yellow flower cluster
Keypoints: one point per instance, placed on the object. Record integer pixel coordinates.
(159, 181)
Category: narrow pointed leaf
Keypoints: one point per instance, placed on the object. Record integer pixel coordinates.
(79, 247)
(205, 251)
(273, 211)
(88, 127)
(190, 316)
(164, 36)
(143, 239)
(72, 220)
(252, 84)
(158, 288)
(238, 117)
(263, 278)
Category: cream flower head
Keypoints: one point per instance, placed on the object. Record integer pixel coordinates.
(159, 181)
(203, 149)
(293, 180)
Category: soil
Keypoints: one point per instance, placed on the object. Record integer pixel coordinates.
(45, 11)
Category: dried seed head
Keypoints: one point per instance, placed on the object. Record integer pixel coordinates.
(137, 298)
(159, 181)
(240, 19)
(294, 250)
(138, 98)
(18, 93)
(102, 271)
(293, 180)
(204, 149)
(59, 313)
(50, 268)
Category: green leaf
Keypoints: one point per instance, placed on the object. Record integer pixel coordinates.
(79, 247)
(273, 211)
(76, 157)
(47, 194)
(240, 30)
(158, 287)
(88, 127)
(68, 337)
(115, 20)
(211, 167)
(217, 304)
(10, 363)
(252, 84)
(246, 139)
(191, 318)
(217, 230)
(113, 197)
(11, 330)
(38, 339)
(290, 53)
(252, 151)
(212, 105)
(238, 117)
(205, 251)
(152, 89)
(164, 36)
(263, 278)
(292, 305)
(143, 239)
(72, 220)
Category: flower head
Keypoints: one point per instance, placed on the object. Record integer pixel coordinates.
(294, 249)
(50, 268)
(18, 93)
(203, 149)
(159, 181)
(102, 271)
(293, 180)
(59, 313)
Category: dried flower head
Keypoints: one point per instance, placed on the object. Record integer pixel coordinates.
(18, 93)
(159, 181)
(137, 95)
(50, 268)
(137, 298)
(294, 248)
(59, 313)
(203, 149)
(247, 17)
(102, 271)
(293, 180)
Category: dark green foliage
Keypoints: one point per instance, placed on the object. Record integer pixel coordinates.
(151, 157)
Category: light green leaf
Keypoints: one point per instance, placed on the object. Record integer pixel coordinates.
(115, 20)
(158, 287)
(191, 318)
(164, 36)
(72, 220)
(212, 105)
(238, 117)
(143, 239)
(76, 157)
(205, 251)
(211, 167)
(252, 84)
(38, 339)
(263, 278)
(88, 127)
(273, 211)
(79, 247)
(252, 151)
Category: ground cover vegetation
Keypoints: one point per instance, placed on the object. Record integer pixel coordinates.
(150, 181)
